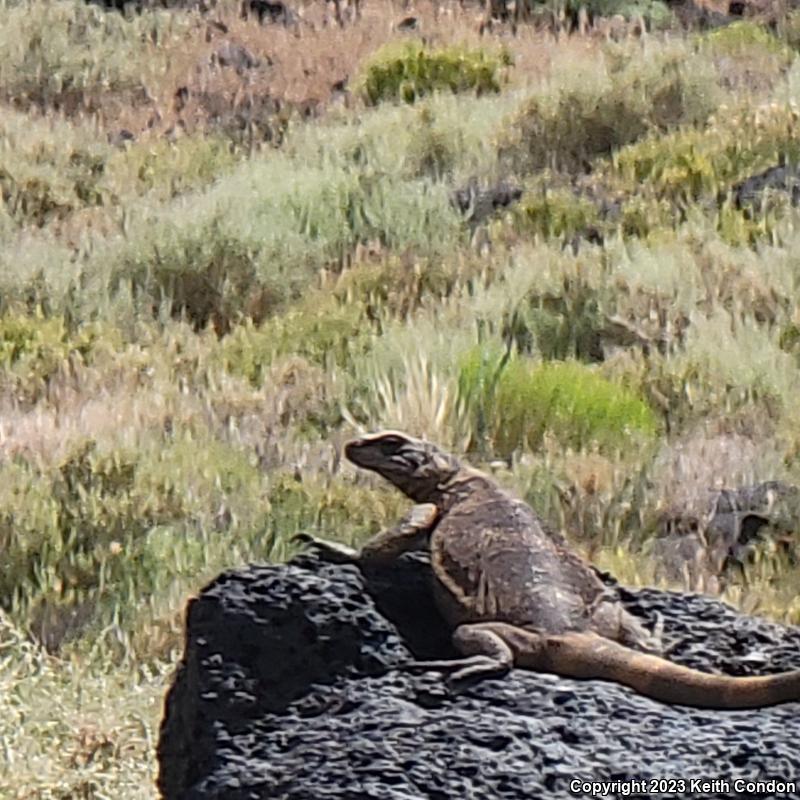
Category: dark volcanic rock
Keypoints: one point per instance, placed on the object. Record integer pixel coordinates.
(266, 12)
(696, 16)
(140, 6)
(783, 179)
(287, 691)
(235, 55)
(478, 203)
(707, 542)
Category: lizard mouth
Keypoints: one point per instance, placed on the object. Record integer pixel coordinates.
(352, 448)
(360, 453)
(372, 453)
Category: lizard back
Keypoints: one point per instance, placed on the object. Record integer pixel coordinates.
(493, 559)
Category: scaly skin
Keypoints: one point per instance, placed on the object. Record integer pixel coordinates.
(515, 594)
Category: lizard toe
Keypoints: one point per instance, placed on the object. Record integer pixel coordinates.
(480, 667)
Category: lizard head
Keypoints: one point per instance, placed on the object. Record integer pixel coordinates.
(416, 468)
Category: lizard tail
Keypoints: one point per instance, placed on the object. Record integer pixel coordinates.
(588, 655)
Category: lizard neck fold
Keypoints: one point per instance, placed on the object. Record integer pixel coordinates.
(460, 487)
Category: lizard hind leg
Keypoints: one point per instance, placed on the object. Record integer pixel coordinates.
(485, 653)
(611, 620)
(491, 656)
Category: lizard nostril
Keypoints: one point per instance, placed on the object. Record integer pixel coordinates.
(352, 447)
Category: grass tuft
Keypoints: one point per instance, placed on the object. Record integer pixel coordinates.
(517, 403)
(410, 71)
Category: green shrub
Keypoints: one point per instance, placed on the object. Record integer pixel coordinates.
(745, 37)
(431, 151)
(409, 71)
(321, 329)
(655, 13)
(564, 324)
(688, 165)
(789, 29)
(567, 216)
(34, 350)
(35, 196)
(743, 228)
(167, 169)
(789, 340)
(398, 285)
(72, 56)
(642, 216)
(727, 365)
(671, 164)
(566, 128)
(253, 240)
(104, 533)
(515, 402)
(48, 168)
(259, 236)
(205, 275)
(556, 214)
(77, 539)
(330, 507)
(750, 59)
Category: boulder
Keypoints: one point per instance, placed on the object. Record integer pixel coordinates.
(141, 6)
(288, 689)
(231, 54)
(477, 203)
(702, 545)
(266, 12)
(782, 180)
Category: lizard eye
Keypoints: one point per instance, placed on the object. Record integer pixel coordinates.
(391, 444)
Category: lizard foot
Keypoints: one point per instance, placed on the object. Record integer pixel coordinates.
(463, 671)
(332, 552)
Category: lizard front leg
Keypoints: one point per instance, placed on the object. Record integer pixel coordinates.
(411, 533)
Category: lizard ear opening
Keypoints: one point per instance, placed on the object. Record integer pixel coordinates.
(437, 467)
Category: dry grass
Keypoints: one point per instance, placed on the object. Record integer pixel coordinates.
(101, 741)
(300, 65)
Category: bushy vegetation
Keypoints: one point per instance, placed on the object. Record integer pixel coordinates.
(557, 214)
(410, 71)
(654, 13)
(606, 105)
(517, 403)
(744, 38)
(73, 58)
(192, 323)
(689, 165)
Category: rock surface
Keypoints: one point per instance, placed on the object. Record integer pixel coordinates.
(478, 203)
(287, 690)
(782, 180)
(698, 544)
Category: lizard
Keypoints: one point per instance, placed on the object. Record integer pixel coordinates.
(515, 594)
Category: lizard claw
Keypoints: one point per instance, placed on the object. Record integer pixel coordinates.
(463, 671)
(418, 667)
